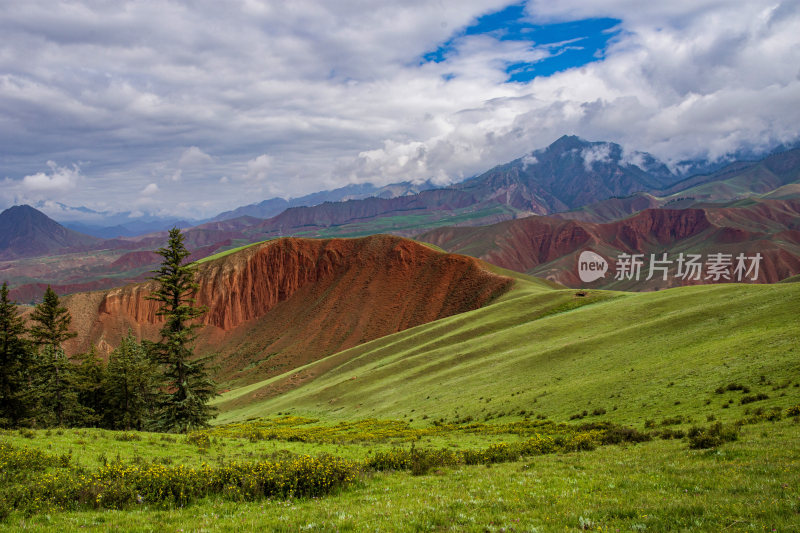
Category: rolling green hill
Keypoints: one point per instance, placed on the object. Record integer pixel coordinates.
(553, 352)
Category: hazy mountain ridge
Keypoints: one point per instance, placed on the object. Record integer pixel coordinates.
(549, 246)
(26, 232)
(274, 206)
(566, 173)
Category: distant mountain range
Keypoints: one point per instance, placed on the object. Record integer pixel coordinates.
(568, 175)
(572, 179)
(26, 232)
(106, 225)
(549, 247)
(274, 206)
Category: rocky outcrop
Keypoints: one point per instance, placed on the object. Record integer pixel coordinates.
(548, 246)
(292, 301)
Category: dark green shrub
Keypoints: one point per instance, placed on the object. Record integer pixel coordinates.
(127, 436)
(753, 398)
(672, 421)
(712, 436)
(732, 387)
(614, 434)
(670, 433)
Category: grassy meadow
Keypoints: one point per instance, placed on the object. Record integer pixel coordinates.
(548, 410)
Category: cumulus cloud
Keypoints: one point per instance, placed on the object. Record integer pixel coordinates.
(58, 180)
(194, 156)
(180, 94)
(257, 169)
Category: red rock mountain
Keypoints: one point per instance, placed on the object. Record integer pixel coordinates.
(281, 304)
(548, 246)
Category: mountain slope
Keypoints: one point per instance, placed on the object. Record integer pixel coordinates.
(284, 303)
(26, 232)
(568, 174)
(274, 206)
(555, 353)
(548, 246)
(743, 178)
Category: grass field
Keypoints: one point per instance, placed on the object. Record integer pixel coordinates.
(747, 485)
(635, 356)
(541, 364)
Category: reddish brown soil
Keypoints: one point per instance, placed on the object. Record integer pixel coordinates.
(33, 292)
(548, 246)
(279, 305)
(134, 260)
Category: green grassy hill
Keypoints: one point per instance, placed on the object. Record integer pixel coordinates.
(663, 363)
(551, 352)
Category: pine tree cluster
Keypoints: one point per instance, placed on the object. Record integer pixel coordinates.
(158, 386)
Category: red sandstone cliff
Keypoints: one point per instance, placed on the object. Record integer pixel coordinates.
(281, 304)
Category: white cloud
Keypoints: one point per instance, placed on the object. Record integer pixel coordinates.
(598, 153)
(58, 180)
(528, 160)
(336, 93)
(257, 169)
(151, 189)
(194, 156)
(633, 158)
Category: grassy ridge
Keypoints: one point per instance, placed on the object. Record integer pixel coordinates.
(551, 352)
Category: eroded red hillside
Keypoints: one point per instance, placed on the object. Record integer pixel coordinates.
(549, 246)
(284, 303)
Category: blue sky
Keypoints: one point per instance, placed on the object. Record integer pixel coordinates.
(191, 108)
(569, 44)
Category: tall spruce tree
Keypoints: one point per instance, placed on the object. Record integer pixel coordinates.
(90, 380)
(51, 322)
(15, 361)
(131, 386)
(184, 404)
(53, 393)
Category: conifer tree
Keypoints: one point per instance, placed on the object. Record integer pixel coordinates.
(53, 393)
(131, 386)
(90, 380)
(184, 404)
(15, 361)
(51, 322)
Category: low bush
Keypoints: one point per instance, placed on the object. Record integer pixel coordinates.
(669, 433)
(732, 387)
(29, 484)
(712, 436)
(127, 436)
(753, 398)
(672, 421)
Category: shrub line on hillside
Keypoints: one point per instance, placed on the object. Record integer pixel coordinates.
(588, 437)
(29, 485)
